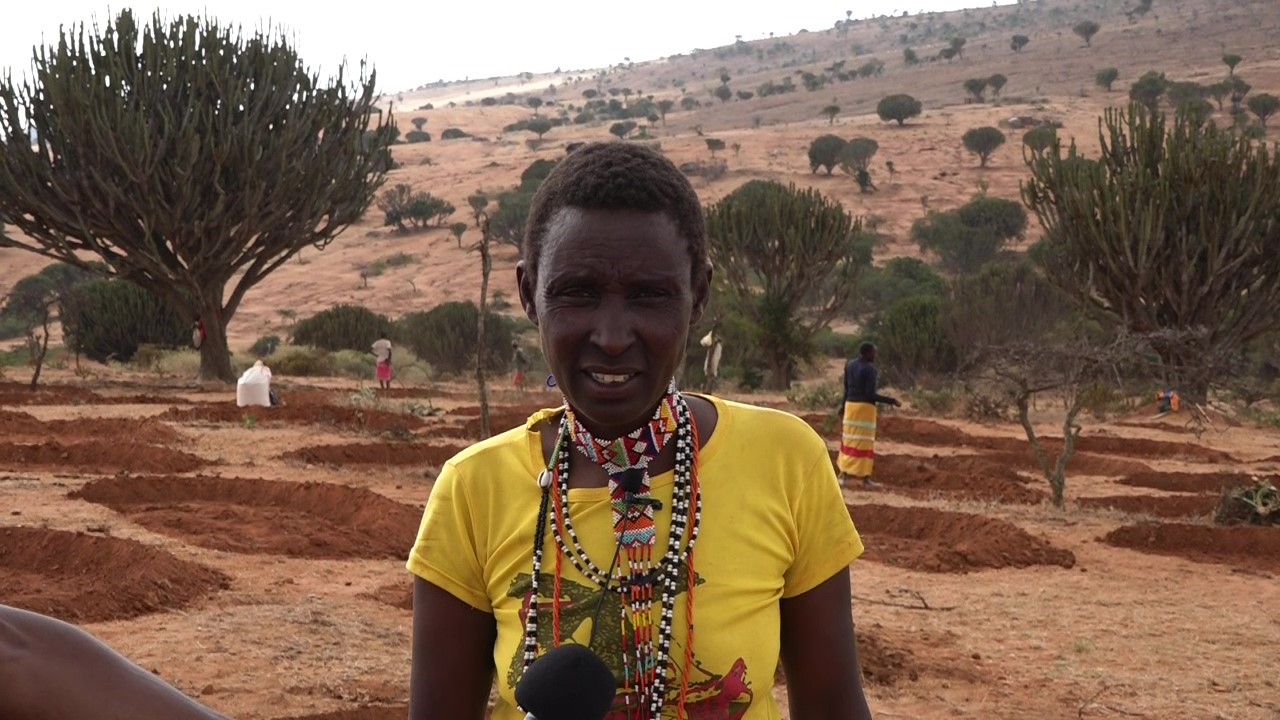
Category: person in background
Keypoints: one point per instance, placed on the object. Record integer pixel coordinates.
(382, 351)
(711, 363)
(521, 363)
(858, 439)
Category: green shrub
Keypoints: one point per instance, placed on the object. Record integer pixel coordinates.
(355, 364)
(453, 134)
(445, 337)
(943, 401)
(108, 319)
(302, 362)
(883, 287)
(24, 305)
(816, 396)
(342, 327)
(831, 343)
(264, 346)
(912, 339)
(417, 136)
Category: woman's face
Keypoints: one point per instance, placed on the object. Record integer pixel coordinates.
(613, 300)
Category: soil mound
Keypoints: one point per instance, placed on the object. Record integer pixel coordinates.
(13, 393)
(1165, 506)
(1213, 483)
(1082, 463)
(399, 595)
(308, 520)
(499, 422)
(939, 541)
(962, 478)
(85, 578)
(14, 425)
(381, 453)
(1250, 547)
(884, 665)
(101, 457)
(347, 418)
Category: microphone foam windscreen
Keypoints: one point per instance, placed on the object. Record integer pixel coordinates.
(567, 683)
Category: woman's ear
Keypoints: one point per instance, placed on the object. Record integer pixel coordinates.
(701, 293)
(527, 284)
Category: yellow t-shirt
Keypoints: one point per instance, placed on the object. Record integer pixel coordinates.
(774, 525)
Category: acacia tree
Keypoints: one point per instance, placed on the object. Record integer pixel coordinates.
(185, 156)
(1086, 29)
(787, 260)
(1172, 228)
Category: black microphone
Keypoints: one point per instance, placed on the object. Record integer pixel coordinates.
(632, 481)
(567, 683)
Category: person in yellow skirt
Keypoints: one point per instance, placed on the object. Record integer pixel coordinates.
(858, 439)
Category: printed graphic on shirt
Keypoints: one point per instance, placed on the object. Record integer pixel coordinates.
(710, 696)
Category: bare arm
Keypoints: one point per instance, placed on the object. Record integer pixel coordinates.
(820, 654)
(452, 656)
(50, 670)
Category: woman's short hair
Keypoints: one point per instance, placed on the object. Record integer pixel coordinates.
(616, 176)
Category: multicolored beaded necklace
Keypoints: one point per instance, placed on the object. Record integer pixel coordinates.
(645, 662)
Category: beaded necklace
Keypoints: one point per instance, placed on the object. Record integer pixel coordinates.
(645, 662)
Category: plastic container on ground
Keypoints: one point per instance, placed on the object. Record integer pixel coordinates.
(254, 386)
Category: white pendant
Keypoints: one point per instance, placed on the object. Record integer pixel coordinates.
(544, 480)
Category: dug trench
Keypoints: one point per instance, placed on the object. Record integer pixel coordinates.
(99, 456)
(1191, 482)
(376, 453)
(85, 578)
(929, 540)
(262, 517)
(17, 425)
(1254, 548)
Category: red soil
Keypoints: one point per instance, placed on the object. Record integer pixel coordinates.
(380, 453)
(100, 457)
(85, 578)
(961, 478)
(1250, 547)
(884, 665)
(368, 712)
(398, 595)
(1165, 506)
(1082, 463)
(14, 425)
(347, 418)
(498, 422)
(1213, 483)
(12, 393)
(307, 520)
(931, 540)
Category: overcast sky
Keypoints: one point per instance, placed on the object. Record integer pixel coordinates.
(412, 43)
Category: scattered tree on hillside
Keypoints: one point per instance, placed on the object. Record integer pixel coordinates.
(1239, 89)
(957, 46)
(1086, 29)
(1231, 60)
(910, 58)
(32, 303)
(1264, 105)
(1182, 93)
(417, 136)
(774, 247)
(184, 202)
(622, 129)
(419, 123)
(830, 111)
(976, 87)
(1219, 91)
(458, 229)
(1106, 77)
(1148, 90)
(1170, 229)
(857, 154)
(1040, 138)
(1019, 42)
(745, 94)
(723, 93)
(478, 201)
(997, 83)
(983, 141)
(539, 127)
(898, 108)
(535, 103)
(664, 107)
(966, 239)
(714, 145)
(824, 152)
